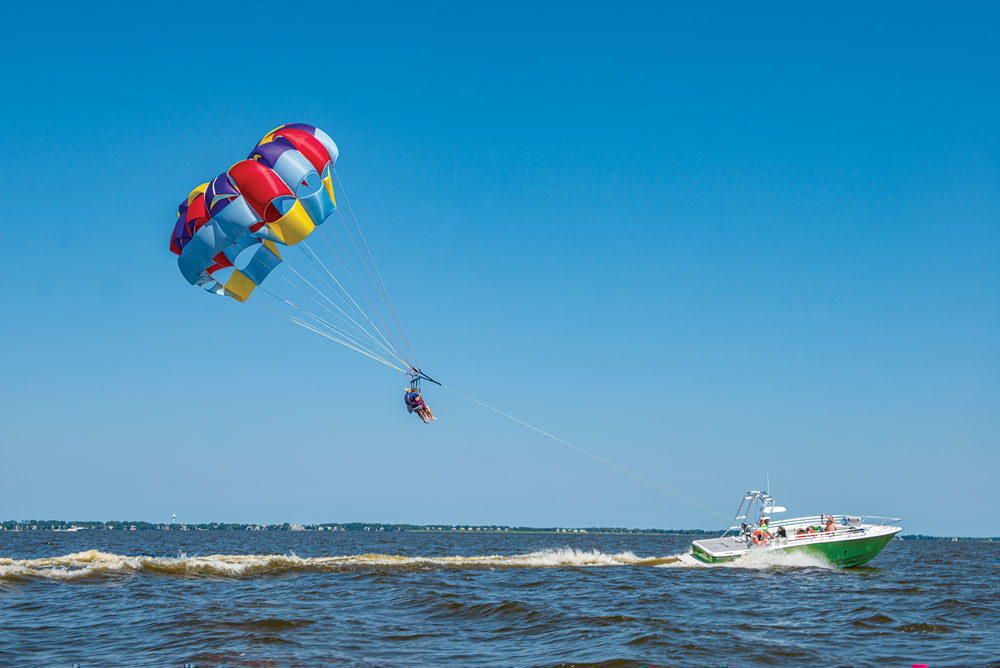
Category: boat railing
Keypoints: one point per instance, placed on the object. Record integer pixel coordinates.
(844, 530)
(839, 520)
(815, 520)
(878, 520)
(845, 525)
(811, 520)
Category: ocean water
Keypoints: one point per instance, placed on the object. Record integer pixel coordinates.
(154, 598)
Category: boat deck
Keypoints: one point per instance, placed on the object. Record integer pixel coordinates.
(851, 546)
(722, 546)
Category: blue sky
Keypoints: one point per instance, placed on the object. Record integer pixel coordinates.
(702, 242)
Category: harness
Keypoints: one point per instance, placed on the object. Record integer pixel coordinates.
(414, 402)
(416, 375)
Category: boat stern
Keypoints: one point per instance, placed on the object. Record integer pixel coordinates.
(718, 550)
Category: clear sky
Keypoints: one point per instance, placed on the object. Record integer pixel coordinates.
(702, 242)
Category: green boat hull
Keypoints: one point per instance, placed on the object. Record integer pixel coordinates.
(844, 553)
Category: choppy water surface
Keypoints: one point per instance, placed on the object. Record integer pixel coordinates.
(308, 598)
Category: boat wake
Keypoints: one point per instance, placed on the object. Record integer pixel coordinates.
(758, 561)
(93, 563)
(782, 558)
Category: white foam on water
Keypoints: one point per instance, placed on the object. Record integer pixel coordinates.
(757, 560)
(93, 562)
(81, 565)
(684, 560)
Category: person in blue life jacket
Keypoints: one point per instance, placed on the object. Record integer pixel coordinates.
(415, 404)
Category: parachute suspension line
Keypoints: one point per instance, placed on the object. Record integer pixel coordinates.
(354, 341)
(339, 290)
(300, 323)
(332, 281)
(586, 452)
(371, 275)
(374, 266)
(342, 315)
(361, 329)
(363, 293)
(350, 298)
(340, 332)
(333, 338)
(386, 350)
(381, 283)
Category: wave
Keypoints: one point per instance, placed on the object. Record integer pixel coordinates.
(782, 558)
(93, 563)
(756, 560)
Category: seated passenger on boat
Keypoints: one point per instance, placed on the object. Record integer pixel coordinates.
(761, 534)
(830, 524)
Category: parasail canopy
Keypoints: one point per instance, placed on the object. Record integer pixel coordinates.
(252, 225)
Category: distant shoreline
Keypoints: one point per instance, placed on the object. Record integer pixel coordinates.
(64, 526)
(60, 525)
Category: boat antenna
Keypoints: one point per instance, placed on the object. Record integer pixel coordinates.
(767, 475)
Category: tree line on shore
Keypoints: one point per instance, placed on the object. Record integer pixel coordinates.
(119, 525)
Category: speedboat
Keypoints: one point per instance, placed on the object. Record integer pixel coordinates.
(842, 540)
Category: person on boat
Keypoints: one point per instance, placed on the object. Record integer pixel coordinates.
(762, 533)
(830, 524)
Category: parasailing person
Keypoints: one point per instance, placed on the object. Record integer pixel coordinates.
(413, 397)
(415, 404)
